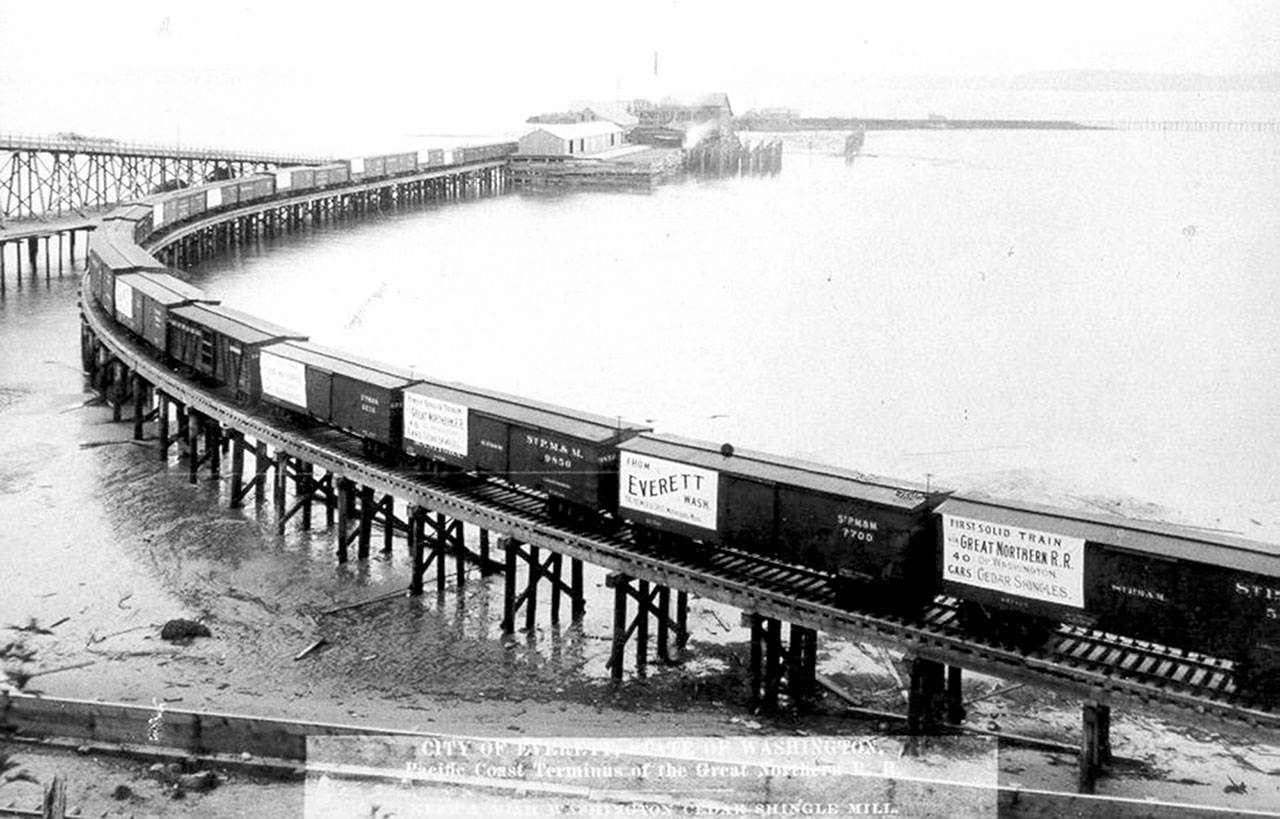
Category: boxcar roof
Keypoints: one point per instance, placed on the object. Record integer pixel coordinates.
(368, 363)
(122, 257)
(261, 324)
(1153, 537)
(218, 319)
(774, 469)
(534, 414)
(315, 357)
(129, 213)
(178, 286)
(153, 289)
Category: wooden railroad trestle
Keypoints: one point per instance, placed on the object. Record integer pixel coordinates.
(58, 243)
(652, 601)
(352, 509)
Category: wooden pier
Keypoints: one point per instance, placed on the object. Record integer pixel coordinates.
(43, 246)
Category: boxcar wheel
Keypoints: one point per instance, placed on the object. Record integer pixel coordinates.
(1020, 631)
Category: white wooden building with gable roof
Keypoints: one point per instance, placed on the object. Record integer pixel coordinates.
(571, 139)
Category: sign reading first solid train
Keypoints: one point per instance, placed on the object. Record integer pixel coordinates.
(668, 489)
(1009, 559)
(436, 423)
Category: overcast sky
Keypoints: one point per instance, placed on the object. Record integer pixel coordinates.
(408, 65)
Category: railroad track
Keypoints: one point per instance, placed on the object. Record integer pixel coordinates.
(1092, 665)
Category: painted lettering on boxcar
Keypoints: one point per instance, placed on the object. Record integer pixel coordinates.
(124, 302)
(1013, 560)
(668, 489)
(283, 378)
(435, 423)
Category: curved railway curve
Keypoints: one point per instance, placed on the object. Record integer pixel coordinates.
(1101, 669)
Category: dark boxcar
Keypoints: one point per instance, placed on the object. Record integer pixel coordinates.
(370, 167)
(223, 194)
(109, 255)
(401, 163)
(221, 344)
(182, 205)
(294, 180)
(253, 188)
(861, 528)
(138, 216)
(335, 174)
(297, 377)
(154, 295)
(354, 393)
(434, 156)
(570, 455)
(1183, 587)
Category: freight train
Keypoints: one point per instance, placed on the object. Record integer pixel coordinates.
(165, 211)
(889, 546)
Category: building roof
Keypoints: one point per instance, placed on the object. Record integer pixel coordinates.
(578, 130)
(615, 112)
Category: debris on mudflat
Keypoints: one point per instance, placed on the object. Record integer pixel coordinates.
(180, 629)
(32, 626)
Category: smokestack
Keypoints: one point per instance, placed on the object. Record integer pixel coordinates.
(655, 63)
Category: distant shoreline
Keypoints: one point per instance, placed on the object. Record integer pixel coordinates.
(932, 124)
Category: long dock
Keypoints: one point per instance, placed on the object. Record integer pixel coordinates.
(48, 243)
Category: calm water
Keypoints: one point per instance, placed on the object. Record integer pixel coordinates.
(1084, 318)
(1054, 315)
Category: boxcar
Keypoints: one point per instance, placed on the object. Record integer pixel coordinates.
(253, 188)
(334, 174)
(138, 216)
(570, 455)
(180, 206)
(369, 167)
(874, 535)
(112, 252)
(221, 344)
(362, 396)
(433, 157)
(295, 179)
(401, 163)
(155, 293)
(1182, 587)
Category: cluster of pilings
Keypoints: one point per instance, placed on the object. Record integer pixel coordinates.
(54, 251)
(728, 156)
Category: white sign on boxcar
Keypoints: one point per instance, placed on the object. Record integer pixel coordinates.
(668, 489)
(124, 302)
(283, 378)
(1022, 562)
(436, 424)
